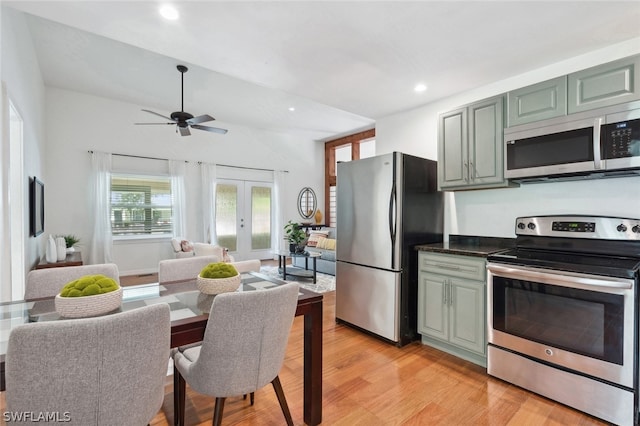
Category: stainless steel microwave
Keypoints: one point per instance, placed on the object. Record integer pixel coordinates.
(598, 143)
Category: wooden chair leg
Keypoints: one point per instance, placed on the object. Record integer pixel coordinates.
(252, 397)
(217, 412)
(179, 393)
(282, 400)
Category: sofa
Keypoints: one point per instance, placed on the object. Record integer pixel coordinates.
(322, 241)
(184, 249)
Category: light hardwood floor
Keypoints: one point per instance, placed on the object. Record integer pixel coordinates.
(369, 382)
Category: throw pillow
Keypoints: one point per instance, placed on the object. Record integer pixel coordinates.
(176, 244)
(315, 236)
(329, 244)
(320, 243)
(186, 246)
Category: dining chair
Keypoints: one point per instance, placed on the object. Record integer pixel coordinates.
(107, 370)
(183, 268)
(49, 281)
(243, 349)
(190, 267)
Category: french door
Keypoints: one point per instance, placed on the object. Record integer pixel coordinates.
(243, 218)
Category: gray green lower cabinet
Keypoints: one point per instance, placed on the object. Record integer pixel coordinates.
(452, 304)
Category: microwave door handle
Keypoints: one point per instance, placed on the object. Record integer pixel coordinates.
(597, 152)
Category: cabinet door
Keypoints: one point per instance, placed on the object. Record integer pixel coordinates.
(467, 319)
(537, 102)
(604, 85)
(433, 315)
(486, 150)
(453, 163)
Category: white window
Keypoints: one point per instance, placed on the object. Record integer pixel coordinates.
(141, 205)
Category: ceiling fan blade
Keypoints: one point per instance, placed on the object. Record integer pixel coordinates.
(184, 131)
(200, 119)
(159, 115)
(210, 129)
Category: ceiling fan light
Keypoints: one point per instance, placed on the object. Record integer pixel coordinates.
(169, 12)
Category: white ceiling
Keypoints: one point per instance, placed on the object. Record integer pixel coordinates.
(342, 65)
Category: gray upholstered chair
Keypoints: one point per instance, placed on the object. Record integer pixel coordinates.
(190, 267)
(243, 349)
(107, 370)
(183, 268)
(49, 281)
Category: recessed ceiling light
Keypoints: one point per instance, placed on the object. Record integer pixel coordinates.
(169, 12)
(420, 87)
(292, 109)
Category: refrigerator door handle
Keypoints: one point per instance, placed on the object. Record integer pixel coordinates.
(392, 223)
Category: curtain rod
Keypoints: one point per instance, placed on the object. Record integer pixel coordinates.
(243, 167)
(199, 162)
(138, 156)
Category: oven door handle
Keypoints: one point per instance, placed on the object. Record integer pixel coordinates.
(558, 277)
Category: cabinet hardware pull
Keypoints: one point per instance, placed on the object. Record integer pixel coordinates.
(444, 292)
(466, 173)
(443, 266)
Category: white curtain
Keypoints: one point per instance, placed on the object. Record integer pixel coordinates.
(208, 179)
(177, 171)
(279, 183)
(102, 239)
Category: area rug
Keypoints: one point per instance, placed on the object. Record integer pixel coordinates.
(324, 282)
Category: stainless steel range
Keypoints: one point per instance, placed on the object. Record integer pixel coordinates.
(563, 313)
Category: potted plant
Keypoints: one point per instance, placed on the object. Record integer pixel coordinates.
(89, 295)
(296, 237)
(218, 277)
(70, 241)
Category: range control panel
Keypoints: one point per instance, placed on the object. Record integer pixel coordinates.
(592, 227)
(573, 226)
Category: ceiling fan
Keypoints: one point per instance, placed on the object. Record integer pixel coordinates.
(183, 120)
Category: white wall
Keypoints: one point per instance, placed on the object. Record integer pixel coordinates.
(78, 122)
(493, 212)
(21, 78)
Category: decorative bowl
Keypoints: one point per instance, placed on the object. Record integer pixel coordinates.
(218, 285)
(88, 306)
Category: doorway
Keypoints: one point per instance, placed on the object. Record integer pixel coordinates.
(244, 218)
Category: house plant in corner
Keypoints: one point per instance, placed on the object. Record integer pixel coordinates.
(89, 296)
(296, 237)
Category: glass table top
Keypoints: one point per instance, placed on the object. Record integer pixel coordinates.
(183, 298)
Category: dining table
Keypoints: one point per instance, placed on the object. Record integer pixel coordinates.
(189, 313)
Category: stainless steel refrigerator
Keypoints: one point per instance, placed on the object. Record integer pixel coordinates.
(385, 206)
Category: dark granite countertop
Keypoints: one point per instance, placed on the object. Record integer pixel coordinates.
(469, 245)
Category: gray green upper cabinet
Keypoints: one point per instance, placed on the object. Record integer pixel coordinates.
(470, 152)
(608, 84)
(537, 102)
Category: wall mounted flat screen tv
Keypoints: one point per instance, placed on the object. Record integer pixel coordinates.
(36, 206)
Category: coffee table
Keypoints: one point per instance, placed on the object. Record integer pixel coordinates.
(294, 271)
